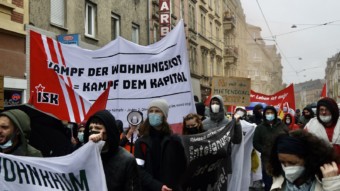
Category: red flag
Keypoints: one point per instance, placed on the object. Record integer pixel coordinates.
(100, 103)
(207, 101)
(324, 91)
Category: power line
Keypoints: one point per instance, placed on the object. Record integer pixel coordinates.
(272, 36)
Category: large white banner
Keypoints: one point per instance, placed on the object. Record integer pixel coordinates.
(65, 79)
(81, 170)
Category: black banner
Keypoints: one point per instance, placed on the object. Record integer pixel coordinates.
(207, 155)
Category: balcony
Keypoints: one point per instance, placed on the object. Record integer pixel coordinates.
(229, 22)
(231, 54)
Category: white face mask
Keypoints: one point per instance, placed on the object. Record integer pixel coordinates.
(293, 172)
(215, 108)
(8, 144)
(240, 113)
(326, 118)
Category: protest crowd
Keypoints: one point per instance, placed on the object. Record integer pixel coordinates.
(277, 154)
(112, 126)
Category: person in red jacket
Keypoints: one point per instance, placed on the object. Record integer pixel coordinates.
(289, 120)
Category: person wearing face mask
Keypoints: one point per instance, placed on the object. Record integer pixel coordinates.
(257, 116)
(159, 154)
(289, 120)
(14, 134)
(192, 124)
(270, 127)
(300, 161)
(326, 125)
(307, 114)
(120, 167)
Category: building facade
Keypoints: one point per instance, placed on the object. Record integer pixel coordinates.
(264, 64)
(307, 92)
(13, 16)
(332, 72)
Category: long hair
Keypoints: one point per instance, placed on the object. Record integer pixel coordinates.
(145, 127)
(189, 117)
(316, 153)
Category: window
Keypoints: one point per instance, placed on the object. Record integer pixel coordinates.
(58, 12)
(211, 30)
(90, 25)
(203, 24)
(135, 33)
(182, 9)
(115, 26)
(192, 17)
(192, 60)
(155, 33)
(218, 40)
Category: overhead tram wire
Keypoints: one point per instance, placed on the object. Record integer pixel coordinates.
(272, 36)
(199, 25)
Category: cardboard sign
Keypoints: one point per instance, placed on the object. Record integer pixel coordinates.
(234, 90)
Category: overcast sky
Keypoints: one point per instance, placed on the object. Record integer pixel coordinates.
(304, 49)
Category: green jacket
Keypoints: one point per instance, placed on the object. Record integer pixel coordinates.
(21, 120)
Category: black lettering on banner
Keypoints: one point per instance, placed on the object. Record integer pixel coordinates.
(167, 80)
(46, 178)
(134, 84)
(82, 183)
(34, 174)
(9, 170)
(22, 170)
(98, 71)
(56, 181)
(64, 70)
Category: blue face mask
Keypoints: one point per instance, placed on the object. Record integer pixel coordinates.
(155, 119)
(8, 144)
(81, 137)
(270, 117)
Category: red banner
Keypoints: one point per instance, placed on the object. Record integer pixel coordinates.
(283, 101)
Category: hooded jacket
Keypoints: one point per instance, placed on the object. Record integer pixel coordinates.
(265, 132)
(216, 119)
(119, 165)
(257, 115)
(303, 120)
(21, 120)
(292, 125)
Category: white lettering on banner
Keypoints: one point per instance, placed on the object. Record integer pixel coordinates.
(211, 148)
(164, 17)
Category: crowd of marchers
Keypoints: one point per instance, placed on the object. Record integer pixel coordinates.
(298, 152)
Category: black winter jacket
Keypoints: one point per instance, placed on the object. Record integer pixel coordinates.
(172, 164)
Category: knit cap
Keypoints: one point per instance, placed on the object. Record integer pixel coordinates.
(162, 104)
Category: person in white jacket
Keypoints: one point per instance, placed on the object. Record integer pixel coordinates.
(326, 124)
(300, 161)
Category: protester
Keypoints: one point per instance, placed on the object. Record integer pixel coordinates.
(129, 138)
(271, 126)
(192, 124)
(14, 134)
(159, 154)
(289, 120)
(299, 161)
(217, 114)
(257, 117)
(119, 165)
(242, 112)
(119, 124)
(326, 125)
(307, 114)
(200, 108)
(297, 115)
